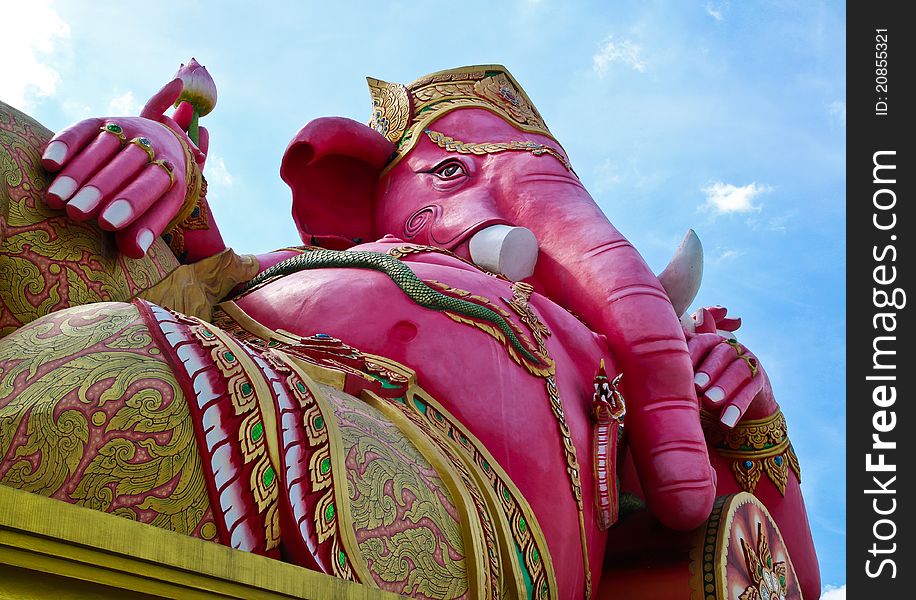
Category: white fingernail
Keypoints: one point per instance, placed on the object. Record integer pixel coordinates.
(145, 239)
(715, 394)
(730, 415)
(701, 379)
(56, 151)
(86, 199)
(118, 213)
(63, 187)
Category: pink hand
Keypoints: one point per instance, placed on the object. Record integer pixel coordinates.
(729, 379)
(101, 177)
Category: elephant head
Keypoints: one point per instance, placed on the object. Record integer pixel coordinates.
(462, 160)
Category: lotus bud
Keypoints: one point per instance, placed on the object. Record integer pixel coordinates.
(199, 91)
(199, 88)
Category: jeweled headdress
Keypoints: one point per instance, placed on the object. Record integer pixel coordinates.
(401, 113)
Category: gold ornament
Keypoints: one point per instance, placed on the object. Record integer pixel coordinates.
(756, 446)
(452, 145)
(401, 113)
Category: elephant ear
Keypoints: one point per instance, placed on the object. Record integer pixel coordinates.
(332, 166)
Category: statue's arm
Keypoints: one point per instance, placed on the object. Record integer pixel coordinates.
(138, 177)
(747, 433)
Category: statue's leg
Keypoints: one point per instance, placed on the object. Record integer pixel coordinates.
(48, 261)
(91, 414)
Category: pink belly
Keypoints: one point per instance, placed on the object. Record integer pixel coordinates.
(472, 375)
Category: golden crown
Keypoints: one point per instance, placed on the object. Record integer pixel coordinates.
(402, 113)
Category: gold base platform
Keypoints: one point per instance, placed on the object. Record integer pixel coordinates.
(51, 549)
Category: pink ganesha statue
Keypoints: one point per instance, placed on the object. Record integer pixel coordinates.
(496, 398)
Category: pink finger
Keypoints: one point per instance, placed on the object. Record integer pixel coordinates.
(203, 141)
(722, 388)
(135, 199)
(738, 406)
(136, 238)
(183, 115)
(68, 143)
(82, 167)
(699, 346)
(718, 359)
(162, 100)
(705, 322)
(104, 184)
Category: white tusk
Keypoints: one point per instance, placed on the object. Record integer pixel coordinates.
(684, 274)
(512, 251)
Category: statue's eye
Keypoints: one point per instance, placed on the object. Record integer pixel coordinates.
(450, 170)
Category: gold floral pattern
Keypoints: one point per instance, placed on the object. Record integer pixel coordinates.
(48, 261)
(405, 520)
(91, 414)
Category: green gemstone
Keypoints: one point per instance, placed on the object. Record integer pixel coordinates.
(114, 128)
(269, 476)
(543, 589)
(257, 431)
(246, 388)
(506, 494)
(325, 465)
(206, 333)
(341, 558)
(230, 357)
(300, 386)
(535, 555)
(329, 513)
(522, 526)
(486, 466)
(319, 423)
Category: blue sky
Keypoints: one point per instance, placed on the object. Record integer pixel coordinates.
(726, 117)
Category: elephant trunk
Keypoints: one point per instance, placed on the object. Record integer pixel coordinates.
(591, 269)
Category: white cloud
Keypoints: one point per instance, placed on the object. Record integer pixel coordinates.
(623, 51)
(725, 254)
(725, 198)
(35, 33)
(716, 10)
(124, 105)
(837, 110)
(831, 592)
(217, 174)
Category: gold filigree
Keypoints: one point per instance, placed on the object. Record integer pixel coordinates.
(47, 261)
(523, 531)
(756, 447)
(386, 497)
(105, 423)
(193, 182)
(391, 109)
(769, 579)
(750, 435)
(502, 92)
(450, 144)
(401, 113)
